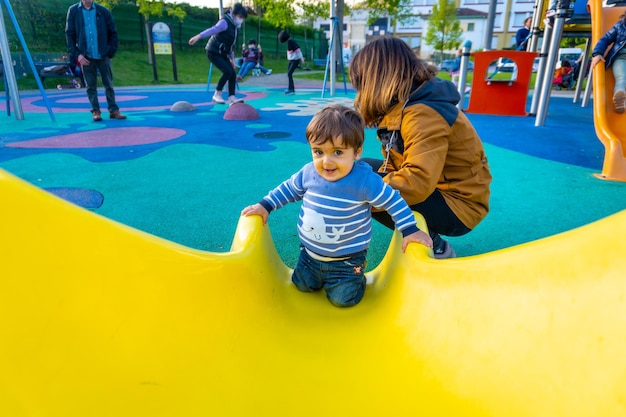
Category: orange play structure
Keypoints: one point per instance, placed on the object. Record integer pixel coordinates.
(610, 126)
(498, 96)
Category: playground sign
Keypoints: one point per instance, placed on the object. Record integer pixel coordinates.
(162, 39)
(162, 45)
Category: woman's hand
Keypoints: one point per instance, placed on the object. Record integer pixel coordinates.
(194, 39)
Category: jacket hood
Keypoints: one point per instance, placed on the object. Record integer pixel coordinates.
(439, 94)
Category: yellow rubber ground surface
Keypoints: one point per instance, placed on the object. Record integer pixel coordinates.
(97, 319)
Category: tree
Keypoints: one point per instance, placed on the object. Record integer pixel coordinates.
(310, 12)
(279, 13)
(149, 8)
(398, 11)
(444, 30)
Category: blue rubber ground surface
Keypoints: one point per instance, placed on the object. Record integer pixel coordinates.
(186, 176)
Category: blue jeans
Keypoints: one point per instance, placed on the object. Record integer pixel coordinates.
(619, 71)
(245, 68)
(343, 281)
(90, 73)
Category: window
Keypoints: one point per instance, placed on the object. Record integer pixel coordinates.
(470, 27)
(518, 19)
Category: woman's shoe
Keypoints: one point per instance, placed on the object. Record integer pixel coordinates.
(289, 92)
(218, 99)
(445, 252)
(234, 100)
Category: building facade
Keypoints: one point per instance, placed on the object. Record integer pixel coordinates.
(472, 14)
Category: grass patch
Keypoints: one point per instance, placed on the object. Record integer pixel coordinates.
(131, 68)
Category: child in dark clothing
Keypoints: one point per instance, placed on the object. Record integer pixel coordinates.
(294, 55)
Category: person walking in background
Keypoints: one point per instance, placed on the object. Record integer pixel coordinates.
(615, 58)
(456, 69)
(432, 153)
(220, 52)
(92, 40)
(294, 55)
(252, 56)
(337, 192)
(523, 34)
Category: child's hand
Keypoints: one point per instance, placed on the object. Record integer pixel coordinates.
(419, 237)
(259, 210)
(596, 59)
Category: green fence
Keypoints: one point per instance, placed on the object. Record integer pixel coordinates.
(43, 25)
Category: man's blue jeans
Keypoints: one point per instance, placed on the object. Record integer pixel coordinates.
(343, 281)
(90, 72)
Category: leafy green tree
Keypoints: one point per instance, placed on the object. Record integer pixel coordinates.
(148, 8)
(398, 11)
(279, 13)
(310, 12)
(444, 29)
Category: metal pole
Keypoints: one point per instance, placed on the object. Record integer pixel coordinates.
(555, 40)
(20, 35)
(582, 70)
(534, 26)
(465, 54)
(587, 94)
(491, 17)
(333, 45)
(9, 71)
(541, 70)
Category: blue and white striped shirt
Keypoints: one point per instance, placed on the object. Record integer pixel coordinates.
(335, 218)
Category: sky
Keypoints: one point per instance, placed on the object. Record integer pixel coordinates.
(204, 3)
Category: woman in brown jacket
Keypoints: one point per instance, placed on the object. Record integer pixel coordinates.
(432, 154)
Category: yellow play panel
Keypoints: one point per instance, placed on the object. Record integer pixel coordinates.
(98, 319)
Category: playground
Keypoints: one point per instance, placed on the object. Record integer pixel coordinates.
(129, 284)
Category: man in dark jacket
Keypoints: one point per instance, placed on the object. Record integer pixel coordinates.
(92, 40)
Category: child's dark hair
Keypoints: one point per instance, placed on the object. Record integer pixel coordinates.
(251, 42)
(283, 36)
(239, 10)
(336, 122)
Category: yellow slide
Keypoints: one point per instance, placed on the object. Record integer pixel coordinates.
(610, 126)
(98, 319)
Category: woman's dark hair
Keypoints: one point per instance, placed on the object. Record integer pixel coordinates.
(251, 42)
(239, 10)
(283, 36)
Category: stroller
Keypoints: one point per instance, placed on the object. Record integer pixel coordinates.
(74, 72)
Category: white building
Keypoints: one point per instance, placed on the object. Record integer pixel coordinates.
(509, 17)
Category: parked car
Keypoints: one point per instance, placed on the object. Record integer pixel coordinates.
(448, 64)
(505, 65)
